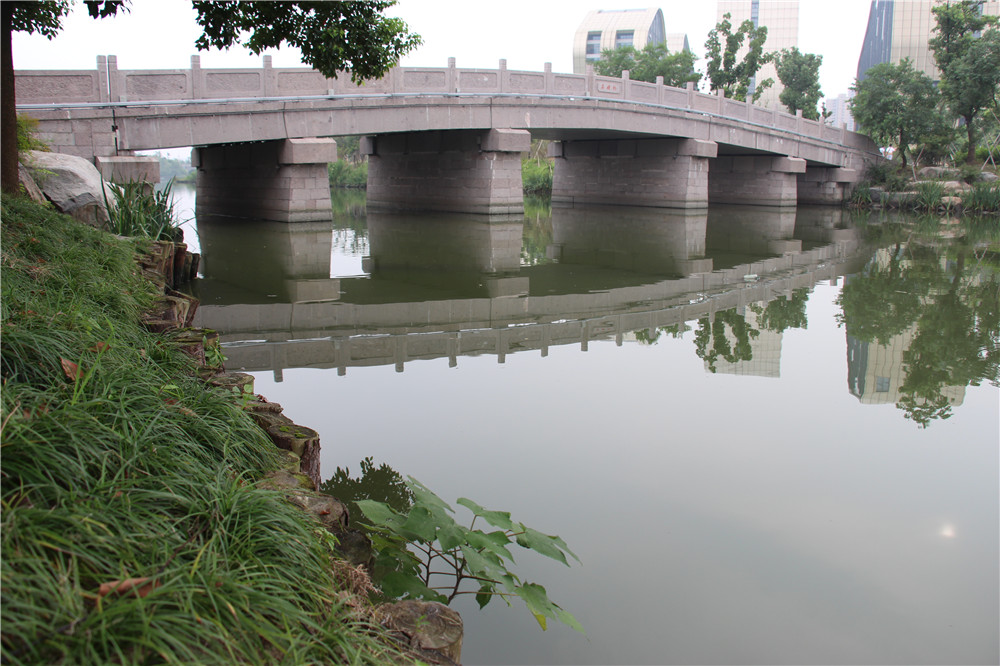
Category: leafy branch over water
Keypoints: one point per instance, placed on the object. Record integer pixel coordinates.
(464, 553)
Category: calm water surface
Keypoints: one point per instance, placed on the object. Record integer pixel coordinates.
(770, 436)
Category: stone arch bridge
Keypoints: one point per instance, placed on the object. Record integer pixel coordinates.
(442, 139)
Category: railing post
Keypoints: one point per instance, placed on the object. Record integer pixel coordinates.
(798, 121)
(659, 90)
(625, 80)
(689, 86)
(550, 80)
(197, 81)
(504, 84)
(451, 78)
(102, 79)
(721, 95)
(114, 81)
(270, 79)
(590, 81)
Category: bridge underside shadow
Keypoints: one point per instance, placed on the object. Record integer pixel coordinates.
(479, 172)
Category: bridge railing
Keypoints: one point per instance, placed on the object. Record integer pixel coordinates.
(109, 85)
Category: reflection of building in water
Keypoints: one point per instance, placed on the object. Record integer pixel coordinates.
(876, 372)
(765, 349)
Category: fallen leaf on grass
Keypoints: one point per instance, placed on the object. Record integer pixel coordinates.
(140, 587)
(72, 370)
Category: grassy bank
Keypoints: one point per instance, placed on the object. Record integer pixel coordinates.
(132, 529)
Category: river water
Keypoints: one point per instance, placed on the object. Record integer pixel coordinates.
(770, 436)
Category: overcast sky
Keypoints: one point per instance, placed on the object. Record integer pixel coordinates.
(160, 34)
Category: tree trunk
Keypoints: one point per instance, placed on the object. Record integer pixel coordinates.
(970, 156)
(8, 108)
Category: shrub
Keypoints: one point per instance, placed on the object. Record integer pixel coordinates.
(345, 174)
(26, 137)
(536, 176)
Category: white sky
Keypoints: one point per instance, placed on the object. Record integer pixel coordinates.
(160, 34)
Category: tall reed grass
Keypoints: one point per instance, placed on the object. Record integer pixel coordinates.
(132, 530)
(136, 209)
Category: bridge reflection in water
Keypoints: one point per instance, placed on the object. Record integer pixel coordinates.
(440, 286)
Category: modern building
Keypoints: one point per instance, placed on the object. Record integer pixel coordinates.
(839, 108)
(781, 18)
(900, 29)
(611, 28)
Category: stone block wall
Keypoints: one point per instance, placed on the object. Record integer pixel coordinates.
(758, 180)
(263, 181)
(668, 173)
(464, 171)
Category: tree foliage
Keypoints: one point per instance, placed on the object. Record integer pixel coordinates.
(895, 105)
(799, 74)
(334, 37)
(652, 61)
(969, 60)
(724, 71)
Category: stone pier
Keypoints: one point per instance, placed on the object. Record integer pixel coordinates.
(459, 171)
(282, 181)
(756, 180)
(664, 173)
(826, 185)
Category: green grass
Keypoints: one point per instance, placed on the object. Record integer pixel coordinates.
(118, 463)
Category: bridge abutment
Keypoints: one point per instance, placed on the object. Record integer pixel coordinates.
(664, 173)
(755, 180)
(281, 181)
(459, 171)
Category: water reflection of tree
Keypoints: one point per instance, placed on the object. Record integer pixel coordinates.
(382, 483)
(537, 231)
(782, 314)
(712, 343)
(649, 336)
(953, 310)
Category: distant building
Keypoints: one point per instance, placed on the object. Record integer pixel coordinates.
(900, 29)
(839, 108)
(611, 28)
(781, 18)
(677, 42)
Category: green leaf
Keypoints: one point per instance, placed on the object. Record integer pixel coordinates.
(494, 542)
(538, 602)
(541, 543)
(397, 584)
(379, 513)
(485, 595)
(451, 536)
(567, 618)
(484, 565)
(499, 519)
(421, 523)
(423, 495)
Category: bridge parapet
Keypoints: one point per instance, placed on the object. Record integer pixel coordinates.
(109, 84)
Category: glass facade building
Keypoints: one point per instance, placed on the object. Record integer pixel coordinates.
(900, 29)
(611, 28)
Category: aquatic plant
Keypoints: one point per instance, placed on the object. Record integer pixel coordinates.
(466, 553)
